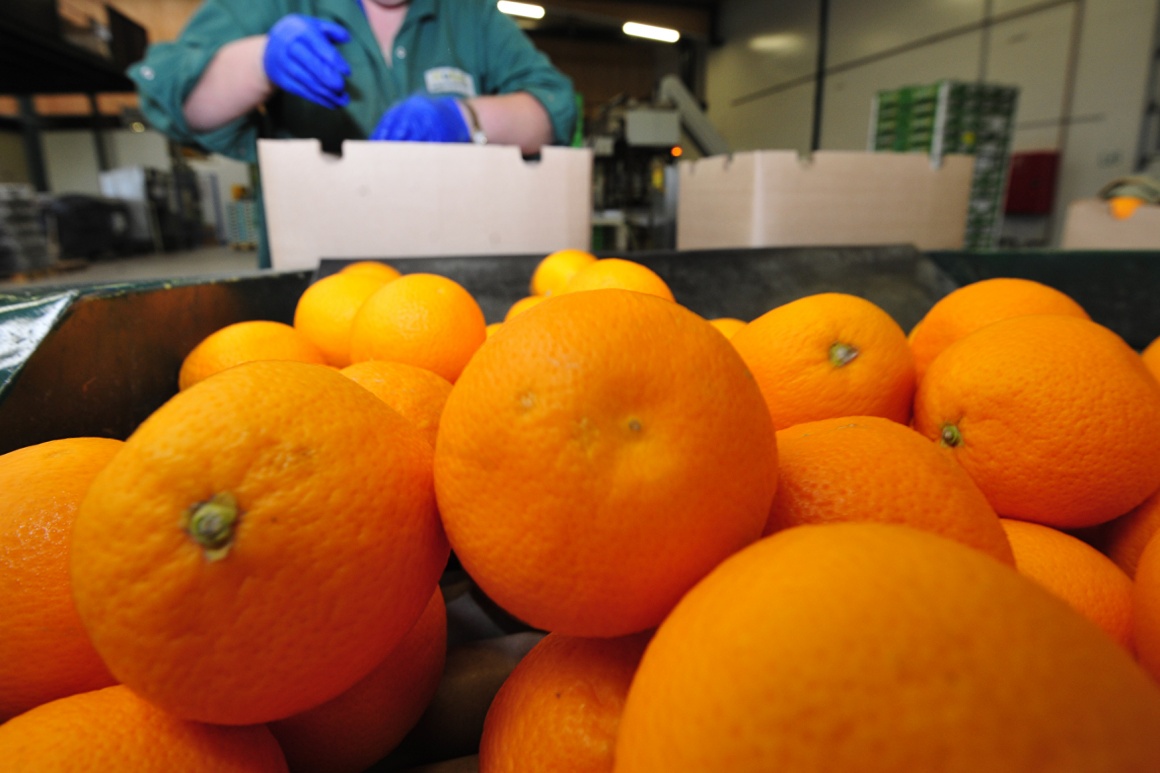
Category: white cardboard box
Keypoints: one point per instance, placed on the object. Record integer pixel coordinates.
(1090, 226)
(417, 199)
(770, 198)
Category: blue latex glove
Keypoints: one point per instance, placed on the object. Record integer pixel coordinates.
(421, 118)
(301, 58)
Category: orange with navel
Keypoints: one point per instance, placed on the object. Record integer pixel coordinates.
(283, 539)
(425, 320)
(824, 477)
(829, 355)
(606, 440)
(326, 309)
(1054, 417)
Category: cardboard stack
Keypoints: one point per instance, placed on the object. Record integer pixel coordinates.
(23, 243)
(954, 117)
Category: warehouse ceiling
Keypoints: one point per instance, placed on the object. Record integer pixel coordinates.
(588, 19)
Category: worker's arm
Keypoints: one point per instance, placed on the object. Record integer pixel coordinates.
(234, 83)
(514, 119)
(298, 55)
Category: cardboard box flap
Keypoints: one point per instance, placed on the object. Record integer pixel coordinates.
(383, 199)
(726, 187)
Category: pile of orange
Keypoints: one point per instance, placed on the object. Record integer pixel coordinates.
(809, 541)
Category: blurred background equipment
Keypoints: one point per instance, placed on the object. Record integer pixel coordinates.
(636, 146)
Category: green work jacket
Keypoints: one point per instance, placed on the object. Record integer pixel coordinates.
(463, 48)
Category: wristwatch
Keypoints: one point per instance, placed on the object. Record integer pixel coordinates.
(477, 135)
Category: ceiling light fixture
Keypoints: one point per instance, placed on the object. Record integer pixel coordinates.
(527, 10)
(663, 34)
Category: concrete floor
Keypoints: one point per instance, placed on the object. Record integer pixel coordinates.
(206, 261)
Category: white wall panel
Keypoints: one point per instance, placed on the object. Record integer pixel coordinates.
(70, 159)
(1031, 52)
(860, 28)
(767, 44)
(13, 166)
(1110, 96)
(1000, 7)
(127, 148)
(783, 121)
(849, 95)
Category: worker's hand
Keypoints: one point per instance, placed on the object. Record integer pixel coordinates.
(421, 118)
(301, 58)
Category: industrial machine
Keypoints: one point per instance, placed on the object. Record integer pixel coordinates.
(636, 146)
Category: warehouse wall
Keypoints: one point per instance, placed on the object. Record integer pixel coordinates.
(1083, 69)
(13, 169)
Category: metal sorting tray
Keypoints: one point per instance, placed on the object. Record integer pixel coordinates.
(96, 360)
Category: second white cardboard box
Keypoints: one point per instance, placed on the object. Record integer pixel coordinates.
(771, 198)
(1091, 226)
(419, 199)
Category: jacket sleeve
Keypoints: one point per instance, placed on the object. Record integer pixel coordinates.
(170, 71)
(515, 64)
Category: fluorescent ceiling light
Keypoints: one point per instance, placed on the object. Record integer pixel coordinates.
(527, 10)
(782, 43)
(662, 34)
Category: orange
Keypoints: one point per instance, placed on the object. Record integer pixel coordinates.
(493, 328)
(620, 274)
(416, 393)
(554, 272)
(1151, 357)
(350, 733)
(829, 355)
(523, 304)
(975, 305)
(559, 708)
(422, 319)
(727, 325)
(866, 468)
(245, 342)
(372, 268)
(114, 729)
(1126, 537)
(326, 311)
(1077, 573)
(877, 648)
(283, 539)
(1054, 417)
(44, 651)
(598, 457)
(1146, 609)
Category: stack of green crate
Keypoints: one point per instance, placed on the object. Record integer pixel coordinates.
(955, 117)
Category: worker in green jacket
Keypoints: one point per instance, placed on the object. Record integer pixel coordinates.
(418, 70)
